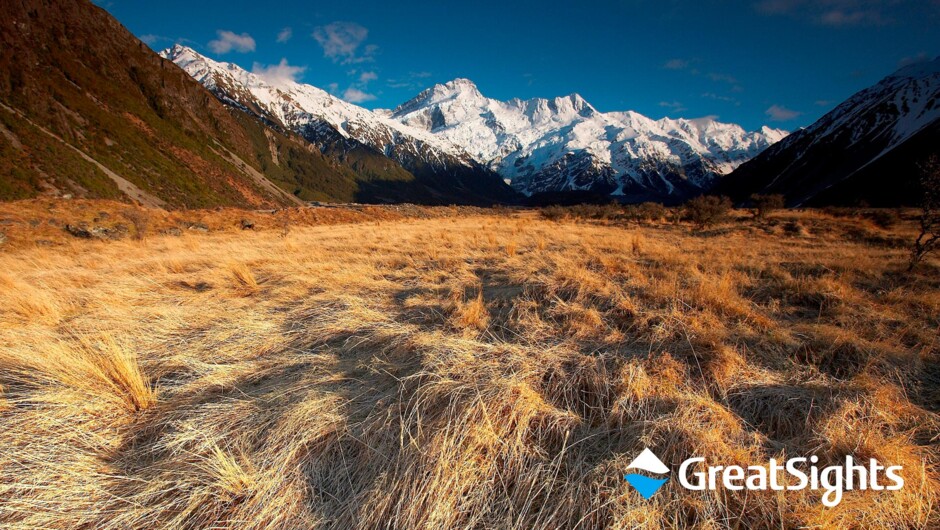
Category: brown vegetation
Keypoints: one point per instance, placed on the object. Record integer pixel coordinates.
(928, 240)
(764, 204)
(447, 370)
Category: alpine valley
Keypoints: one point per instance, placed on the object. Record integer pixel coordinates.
(452, 131)
(111, 118)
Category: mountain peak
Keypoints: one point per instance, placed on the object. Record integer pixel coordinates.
(919, 70)
(177, 51)
(578, 103)
(454, 88)
(459, 88)
(460, 83)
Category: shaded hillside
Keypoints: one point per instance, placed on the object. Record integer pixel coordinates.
(89, 110)
(865, 151)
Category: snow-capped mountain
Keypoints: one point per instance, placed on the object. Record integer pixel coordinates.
(864, 150)
(337, 126)
(451, 131)
(565, 144)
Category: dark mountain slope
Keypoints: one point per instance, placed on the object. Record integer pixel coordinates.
(88, 109)
(865, 151)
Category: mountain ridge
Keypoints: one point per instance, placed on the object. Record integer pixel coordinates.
(538, 145)
(566, 144)
(442, 171)
(90, 111)
(844, 157)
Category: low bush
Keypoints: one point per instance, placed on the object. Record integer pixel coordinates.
(707, 210)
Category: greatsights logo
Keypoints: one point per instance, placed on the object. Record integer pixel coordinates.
(695, 474)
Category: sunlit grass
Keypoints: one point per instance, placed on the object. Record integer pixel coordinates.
(495, 371)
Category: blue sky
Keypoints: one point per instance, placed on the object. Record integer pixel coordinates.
(778, 62)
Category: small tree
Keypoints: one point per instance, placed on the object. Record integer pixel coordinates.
(707, 210)
(764, 204)
(284, 222)
(141, 222)
(929, 238)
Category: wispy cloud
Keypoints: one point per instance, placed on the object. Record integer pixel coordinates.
(723, 78)
(673, 106)
(686, 65)
(914, 59)
(781, 113)
(676, 64)
(822, 102)
(358, 89)
(833, 13)
(285, 34)
(280, 73)
(721, 97)
(354, 95)
(416, 80)
(229, 41)
(343, 42)
(708, 118)
(843, 17)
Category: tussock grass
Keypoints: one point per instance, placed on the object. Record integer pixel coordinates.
(243, 279)
(94, 367)
(462, 372)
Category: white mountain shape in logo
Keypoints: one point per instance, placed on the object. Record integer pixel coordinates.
(647, 486)
(647, 461)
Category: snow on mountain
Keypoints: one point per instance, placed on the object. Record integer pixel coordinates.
(566, 144)
(897, 107)
(866, 149)
(298, 106)
(538, 145)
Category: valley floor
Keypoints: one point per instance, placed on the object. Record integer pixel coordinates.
(471, 370)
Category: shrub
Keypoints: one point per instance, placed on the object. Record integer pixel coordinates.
(764, 204)
(883, 218)
(501, 210)
(646, 212)
(707, 210)
(553, 213)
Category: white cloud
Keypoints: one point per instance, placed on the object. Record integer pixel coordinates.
(341, 42)
(705, 120)
(151, 39)
(365, 77)
(354, 95)
(781, 113)
(280, 73)
(285, 34)
(229, 40)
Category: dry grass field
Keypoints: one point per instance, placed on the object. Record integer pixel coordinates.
(468, 371)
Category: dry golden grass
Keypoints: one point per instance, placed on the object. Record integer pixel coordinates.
(462, 372)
